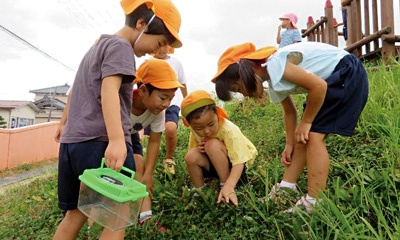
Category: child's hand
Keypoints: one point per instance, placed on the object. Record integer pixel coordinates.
(59, 133)
(115, 154)
(302, 132)
(286, 159)
(148, 180)
(202, 144)
(228, 194)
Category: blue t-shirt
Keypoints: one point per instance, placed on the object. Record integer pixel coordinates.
(317, 58)
(289, 36)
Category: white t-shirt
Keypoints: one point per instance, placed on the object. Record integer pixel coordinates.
(180, 74)
(156, 122)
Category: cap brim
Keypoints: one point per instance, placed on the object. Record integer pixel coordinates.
(262, 53)
(220, 71)
(177, 43)
(167, 85)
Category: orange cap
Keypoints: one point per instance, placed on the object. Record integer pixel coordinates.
(167, 12)
(198, 99)
(163, 9)
(158, 73)
(242, 51)
(130, 5)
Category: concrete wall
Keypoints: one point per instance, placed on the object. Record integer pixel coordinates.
(27, 145)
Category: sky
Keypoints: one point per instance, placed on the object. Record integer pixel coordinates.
(63, 31)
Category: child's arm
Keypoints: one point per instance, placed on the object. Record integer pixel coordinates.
(116, 152)
(228, 191)
(290, 120)
(152, 151)
(316, 87)
(278, 37)
(184, 90)
(63, 120)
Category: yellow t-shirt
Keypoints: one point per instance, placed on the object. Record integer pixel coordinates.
(240, 149)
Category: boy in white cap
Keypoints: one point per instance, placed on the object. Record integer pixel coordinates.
(292, 34)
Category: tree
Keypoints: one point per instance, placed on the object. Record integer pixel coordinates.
(3, 123)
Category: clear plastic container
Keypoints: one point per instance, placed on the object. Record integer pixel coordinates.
(110, 198)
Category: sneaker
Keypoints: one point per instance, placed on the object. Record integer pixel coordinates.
(169, 165)
(156, 224)
(277, 189)
(301, 203)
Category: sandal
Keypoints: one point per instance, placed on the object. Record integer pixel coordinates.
(169, 165)
(302, 203)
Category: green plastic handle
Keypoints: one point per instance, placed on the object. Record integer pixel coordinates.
(123, 168)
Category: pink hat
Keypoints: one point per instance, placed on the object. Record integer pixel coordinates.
(292, 17)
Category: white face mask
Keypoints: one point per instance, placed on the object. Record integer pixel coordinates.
(141, 33)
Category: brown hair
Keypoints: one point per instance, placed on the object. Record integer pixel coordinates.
(242, 71)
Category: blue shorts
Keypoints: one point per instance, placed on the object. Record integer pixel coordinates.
(74, 158)
(345, 98)
(136, 145)
(171, 115)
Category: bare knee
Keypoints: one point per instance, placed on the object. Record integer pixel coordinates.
(139, 163)
(316, 139)
(192, 157)
(170, 129)
(215, 146)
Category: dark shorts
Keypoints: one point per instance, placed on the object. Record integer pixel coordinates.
(136, 145)
(345, 98)
(213, 172)
(74, 158)
(171, 115)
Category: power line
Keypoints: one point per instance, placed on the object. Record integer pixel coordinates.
(4, 29)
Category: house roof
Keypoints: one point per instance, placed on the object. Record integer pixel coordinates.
(57, 90)
(49, 102)
(11, 104)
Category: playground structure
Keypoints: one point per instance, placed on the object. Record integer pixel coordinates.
(360, 41)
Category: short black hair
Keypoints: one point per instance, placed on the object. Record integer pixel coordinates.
(195, 114)
(156, 27)
(241, 71)
(149, 87)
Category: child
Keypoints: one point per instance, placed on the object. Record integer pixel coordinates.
(157, 84)
(98, 116)
(337, 87)
(217, 147)
(172, 113)
(292, 34)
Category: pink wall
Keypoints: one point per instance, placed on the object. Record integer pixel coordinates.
(27, 145)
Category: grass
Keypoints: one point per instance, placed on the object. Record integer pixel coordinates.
(362, 199)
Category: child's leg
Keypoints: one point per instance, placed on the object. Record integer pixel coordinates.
(139, 163)
(170, 139)
(218, 155)
(112, 235)
(70, 225)
(196, 162)
(317, 163)
(299, 160)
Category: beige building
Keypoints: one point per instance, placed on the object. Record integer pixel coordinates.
(18, 113)
(51, 102)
